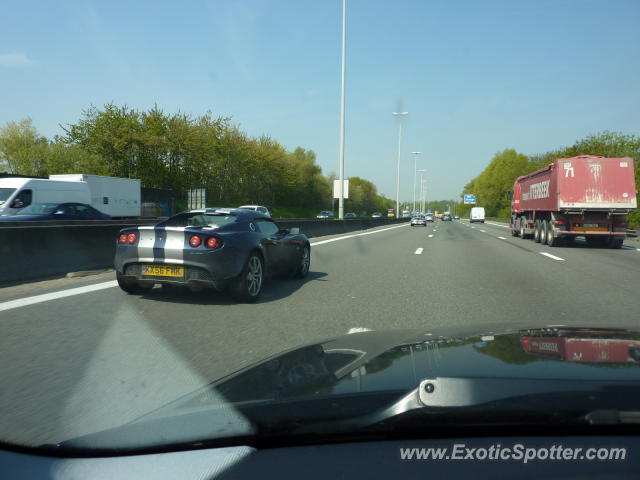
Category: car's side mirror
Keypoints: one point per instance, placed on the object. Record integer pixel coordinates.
(17, 204)
(283, 231)
(509, 195)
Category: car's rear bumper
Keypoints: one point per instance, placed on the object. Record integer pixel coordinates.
(205, 268)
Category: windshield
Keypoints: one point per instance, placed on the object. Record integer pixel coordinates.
(459, 170)
(38, 209)
(200, 220)
(5, 193)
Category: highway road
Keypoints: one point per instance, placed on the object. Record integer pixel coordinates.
(78, 355)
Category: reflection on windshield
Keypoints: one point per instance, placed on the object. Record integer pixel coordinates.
(38, 209)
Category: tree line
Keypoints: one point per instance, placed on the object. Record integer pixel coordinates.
(497, 179)
(178, 152)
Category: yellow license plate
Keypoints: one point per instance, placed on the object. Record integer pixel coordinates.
(590, 229)
(163, 271)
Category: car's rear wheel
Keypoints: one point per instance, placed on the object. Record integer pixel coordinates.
(248, 285)
(132, 287)
(302, 269)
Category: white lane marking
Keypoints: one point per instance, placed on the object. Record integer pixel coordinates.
(322, 242)
(23, 302)
(552, 256)
(418, 251)
(358, 330)
(332, 240)
(430, 236)
(502, 238)
(499, 224)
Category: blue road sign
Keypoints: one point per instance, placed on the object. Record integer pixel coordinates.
(470, 199)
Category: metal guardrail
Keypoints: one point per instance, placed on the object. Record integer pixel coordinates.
(35, 250)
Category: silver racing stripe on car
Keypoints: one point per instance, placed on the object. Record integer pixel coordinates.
(146, 241)
(170, 244)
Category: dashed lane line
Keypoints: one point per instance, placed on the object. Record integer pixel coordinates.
(552, 256)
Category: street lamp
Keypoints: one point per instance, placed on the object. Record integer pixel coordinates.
(420, 199)
(400, 115)
(424, 195)
(415, 158)
(342, 94)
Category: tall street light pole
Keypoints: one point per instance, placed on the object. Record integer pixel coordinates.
(342, 95)
(424, 195)
(415, 158)
(400, 115)
(421, 184)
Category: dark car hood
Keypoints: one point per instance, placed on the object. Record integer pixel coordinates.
(375, 368)
(399, 360)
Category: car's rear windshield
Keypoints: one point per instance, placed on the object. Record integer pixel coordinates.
(201, 220)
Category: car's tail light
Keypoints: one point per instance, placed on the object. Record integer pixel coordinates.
(620, 224)
(123, 238)
(558, 222)
(212, 242)
(131, 238)
(195, 241)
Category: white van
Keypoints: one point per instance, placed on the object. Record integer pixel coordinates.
(18, 193)
(476, 215)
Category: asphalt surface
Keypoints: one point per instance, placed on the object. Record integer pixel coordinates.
(76, 364)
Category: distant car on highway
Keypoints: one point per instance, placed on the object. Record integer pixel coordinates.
(56, 211)
(428, 217)
(325, 214)
(446, 217)
(376, 215)
(210, 248)
(418, 220)
(476, 215)
(350, 215)
(456, 217)
(257, 208)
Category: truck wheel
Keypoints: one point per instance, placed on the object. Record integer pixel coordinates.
(514, 231)
(522, 230)
(552, 239)
(536, 232)
(544, 232)
(132, 287)
(615, 243)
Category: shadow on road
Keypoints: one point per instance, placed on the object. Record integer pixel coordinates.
(274, 289)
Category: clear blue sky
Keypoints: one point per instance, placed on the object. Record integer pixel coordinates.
(476, 76)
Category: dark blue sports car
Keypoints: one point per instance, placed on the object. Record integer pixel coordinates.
(210, 248)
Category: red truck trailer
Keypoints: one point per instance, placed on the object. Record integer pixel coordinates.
(588, 350)
(585, 196)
